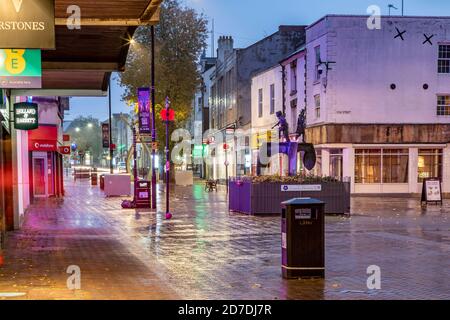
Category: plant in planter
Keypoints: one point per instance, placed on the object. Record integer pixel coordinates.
(263, 194)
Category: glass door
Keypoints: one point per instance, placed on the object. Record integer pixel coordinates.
(39, 177)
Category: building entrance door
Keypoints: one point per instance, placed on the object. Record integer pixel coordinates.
(40, 177)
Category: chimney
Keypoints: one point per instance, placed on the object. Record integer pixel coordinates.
(224, 48)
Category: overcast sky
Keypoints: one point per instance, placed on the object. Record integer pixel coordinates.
(251, 20)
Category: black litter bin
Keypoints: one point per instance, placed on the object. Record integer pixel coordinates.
(303, 238)
(94, 179)
(102, 182)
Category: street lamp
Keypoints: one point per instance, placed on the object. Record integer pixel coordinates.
(90, 125)
(77, 129)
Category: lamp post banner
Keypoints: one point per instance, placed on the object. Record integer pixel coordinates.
(144, 111)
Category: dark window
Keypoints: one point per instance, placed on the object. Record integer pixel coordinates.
(260, 103)
(272, 99)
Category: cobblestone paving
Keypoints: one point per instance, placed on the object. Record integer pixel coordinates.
(204, 252)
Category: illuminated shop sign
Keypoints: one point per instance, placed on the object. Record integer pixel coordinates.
(26, 116)
(27, 24)
(20, 69)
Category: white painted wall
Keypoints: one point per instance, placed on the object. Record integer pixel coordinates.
(369, 61)
(263, 81)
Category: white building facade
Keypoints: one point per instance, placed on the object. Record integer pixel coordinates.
(378, 101)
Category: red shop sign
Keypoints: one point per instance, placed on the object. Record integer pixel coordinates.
(43, 145)
(64, 150)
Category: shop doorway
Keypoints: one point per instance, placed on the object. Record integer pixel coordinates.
(40, 177)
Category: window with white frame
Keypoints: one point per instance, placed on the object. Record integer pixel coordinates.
(443, 105)
(318, 62)
(272, 98)
(293, 77)
(430, 164)
(444, 58)
(317, 105)
(260, 103)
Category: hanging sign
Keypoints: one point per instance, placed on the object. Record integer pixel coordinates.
(105, 135)
(431, 191)
(26, 116)
(27, 24)
(64, 150)
(20, 69)
(144, 111)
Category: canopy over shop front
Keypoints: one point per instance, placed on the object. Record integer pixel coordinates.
(83, 60)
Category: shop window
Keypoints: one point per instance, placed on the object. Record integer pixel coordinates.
(381, 165)
(336, 163)
(395, 165)
(429, 164)
(368, 166)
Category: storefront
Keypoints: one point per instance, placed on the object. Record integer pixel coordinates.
(6, 190)
(385, 169)
(46, 163)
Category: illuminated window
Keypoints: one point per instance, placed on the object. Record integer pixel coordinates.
(395, 165)
(444, 58)
(336, 163)
(381, 165)
(443, 105)
(429, 164)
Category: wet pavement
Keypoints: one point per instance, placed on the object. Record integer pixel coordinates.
(205, 252)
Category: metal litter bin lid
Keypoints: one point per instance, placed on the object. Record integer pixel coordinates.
(302, 201)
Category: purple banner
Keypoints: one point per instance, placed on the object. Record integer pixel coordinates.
(144, 111)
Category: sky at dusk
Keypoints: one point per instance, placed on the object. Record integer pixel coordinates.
(249, 21)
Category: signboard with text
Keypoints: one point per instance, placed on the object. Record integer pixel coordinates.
(431, 191)
(20, 69)
(105, 135)
(301, 187)
(27, 24)
(144, 111)
(26, 116)
(43, 145)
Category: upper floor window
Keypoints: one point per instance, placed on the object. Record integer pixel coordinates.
(444, 58)
(294, 77)
(318, 62)
(443, 105)
(260, 103)
(272, 98)
(317, 105)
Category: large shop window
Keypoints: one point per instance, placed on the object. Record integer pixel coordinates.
(381, 165)
(336, 163)
(430, 164)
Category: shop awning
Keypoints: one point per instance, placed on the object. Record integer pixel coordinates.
(84, 59)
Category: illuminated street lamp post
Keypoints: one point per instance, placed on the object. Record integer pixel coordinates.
(168, 115)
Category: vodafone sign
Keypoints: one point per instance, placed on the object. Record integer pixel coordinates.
(64, 150)
(43, 145)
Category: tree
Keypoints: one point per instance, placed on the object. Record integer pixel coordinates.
(180, 38)
(86, 132)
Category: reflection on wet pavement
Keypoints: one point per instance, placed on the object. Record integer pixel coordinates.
(205, 252)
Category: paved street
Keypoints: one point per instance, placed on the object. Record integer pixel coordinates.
(207, 253)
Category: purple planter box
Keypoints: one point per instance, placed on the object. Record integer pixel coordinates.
(265, 198)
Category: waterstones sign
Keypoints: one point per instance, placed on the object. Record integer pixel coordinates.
(27, 24)
(26, 116)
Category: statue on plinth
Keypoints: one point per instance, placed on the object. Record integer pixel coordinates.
(301, 124)
(283, 126)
